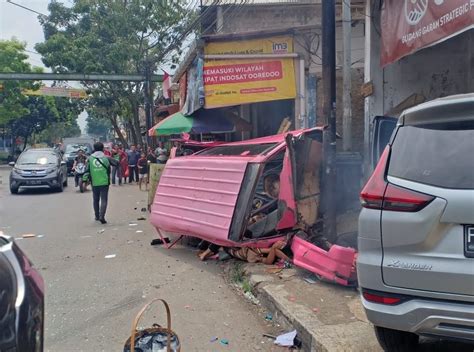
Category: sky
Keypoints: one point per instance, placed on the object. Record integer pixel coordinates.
(24, 25)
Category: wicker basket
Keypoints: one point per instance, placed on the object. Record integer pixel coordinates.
(155, 331)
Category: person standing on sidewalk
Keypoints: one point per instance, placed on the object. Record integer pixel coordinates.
(116, 170)
(143, 171)
(133, 157)
(99, 168)
(161, 153)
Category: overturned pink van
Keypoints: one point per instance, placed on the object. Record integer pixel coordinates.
(249, 193)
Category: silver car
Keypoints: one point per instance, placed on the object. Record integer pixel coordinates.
(416, 228)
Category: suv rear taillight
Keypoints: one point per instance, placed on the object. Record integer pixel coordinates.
(379, 194)
(381, 298)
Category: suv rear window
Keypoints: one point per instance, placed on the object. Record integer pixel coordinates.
(439, 154)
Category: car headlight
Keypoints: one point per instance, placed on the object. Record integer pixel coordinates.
(17, 171)
(50, 171)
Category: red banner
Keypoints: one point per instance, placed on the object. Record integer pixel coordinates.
(410, 25)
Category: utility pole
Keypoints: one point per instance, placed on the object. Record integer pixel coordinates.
(329, 109)
(347, 76)
(149, 104)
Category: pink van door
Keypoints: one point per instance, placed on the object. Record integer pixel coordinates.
(197, 196)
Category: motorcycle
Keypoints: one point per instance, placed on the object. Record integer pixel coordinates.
(82, 178)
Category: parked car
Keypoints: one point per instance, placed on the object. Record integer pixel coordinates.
(38, 167)
(21, 300)
(252, 193)
(416, 228)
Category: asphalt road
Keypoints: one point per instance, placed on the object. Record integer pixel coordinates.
(91, 301)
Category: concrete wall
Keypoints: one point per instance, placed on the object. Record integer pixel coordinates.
(438, 71)
(308, 44)
(444, 69)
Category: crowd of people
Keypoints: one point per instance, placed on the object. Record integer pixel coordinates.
(116, 165)
(133, 163)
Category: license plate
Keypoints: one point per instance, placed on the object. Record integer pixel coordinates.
(33, 182)
(469, 241)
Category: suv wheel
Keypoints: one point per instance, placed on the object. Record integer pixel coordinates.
(13, 190)
(65, 182)
(60, 188)
(395, 340)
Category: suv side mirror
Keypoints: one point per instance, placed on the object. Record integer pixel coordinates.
(11, 163)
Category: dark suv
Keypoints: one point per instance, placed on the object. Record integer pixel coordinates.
(38, 167)
(21, 300)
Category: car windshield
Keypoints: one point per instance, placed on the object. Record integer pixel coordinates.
(74, 148)
(239, 150)
(37, 158)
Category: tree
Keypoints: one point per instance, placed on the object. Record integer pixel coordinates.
(112, 36)
(41, 112)
(57, 131)
(12, 101)
(98, 126)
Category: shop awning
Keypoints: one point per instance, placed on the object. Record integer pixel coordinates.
(202, 121)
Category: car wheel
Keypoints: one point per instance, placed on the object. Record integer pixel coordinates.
(61, 186)
(395, 340)
(65, 182)
(81, 186)
(13, 190)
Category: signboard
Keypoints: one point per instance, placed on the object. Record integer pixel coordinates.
(244, 81)
(154, 178)
(410, 25)
(58, 92)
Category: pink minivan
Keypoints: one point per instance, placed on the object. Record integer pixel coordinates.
(251, 193)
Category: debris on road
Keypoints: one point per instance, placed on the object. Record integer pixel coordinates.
(28, 235)
(139, 231)
(310, 280)
(141, 218)
(286, 340)
(158, 241)
(269, 317)
(249, 295)
(132, 224)
(214, 339)
(224, 342)
(110, 256)
(101, 231)
(143, 210)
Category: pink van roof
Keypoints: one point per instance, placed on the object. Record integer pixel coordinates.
(277, 138)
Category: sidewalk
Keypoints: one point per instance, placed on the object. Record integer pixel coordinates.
(327, 317)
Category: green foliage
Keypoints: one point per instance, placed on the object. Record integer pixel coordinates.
(13, 59)
(98, 125)
(24, 115)
(110, 36)
(41, 112)
(56, 131)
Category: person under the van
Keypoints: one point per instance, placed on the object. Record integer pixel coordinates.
(251, 255)
(261, 255)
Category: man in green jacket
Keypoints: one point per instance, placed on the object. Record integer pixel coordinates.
(99, 169)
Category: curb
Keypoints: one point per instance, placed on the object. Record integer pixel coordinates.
(352, 335)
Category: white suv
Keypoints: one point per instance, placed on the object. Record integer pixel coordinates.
(416, 228)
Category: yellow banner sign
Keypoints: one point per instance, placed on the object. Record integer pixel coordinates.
(58, 92)
(244, 81)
